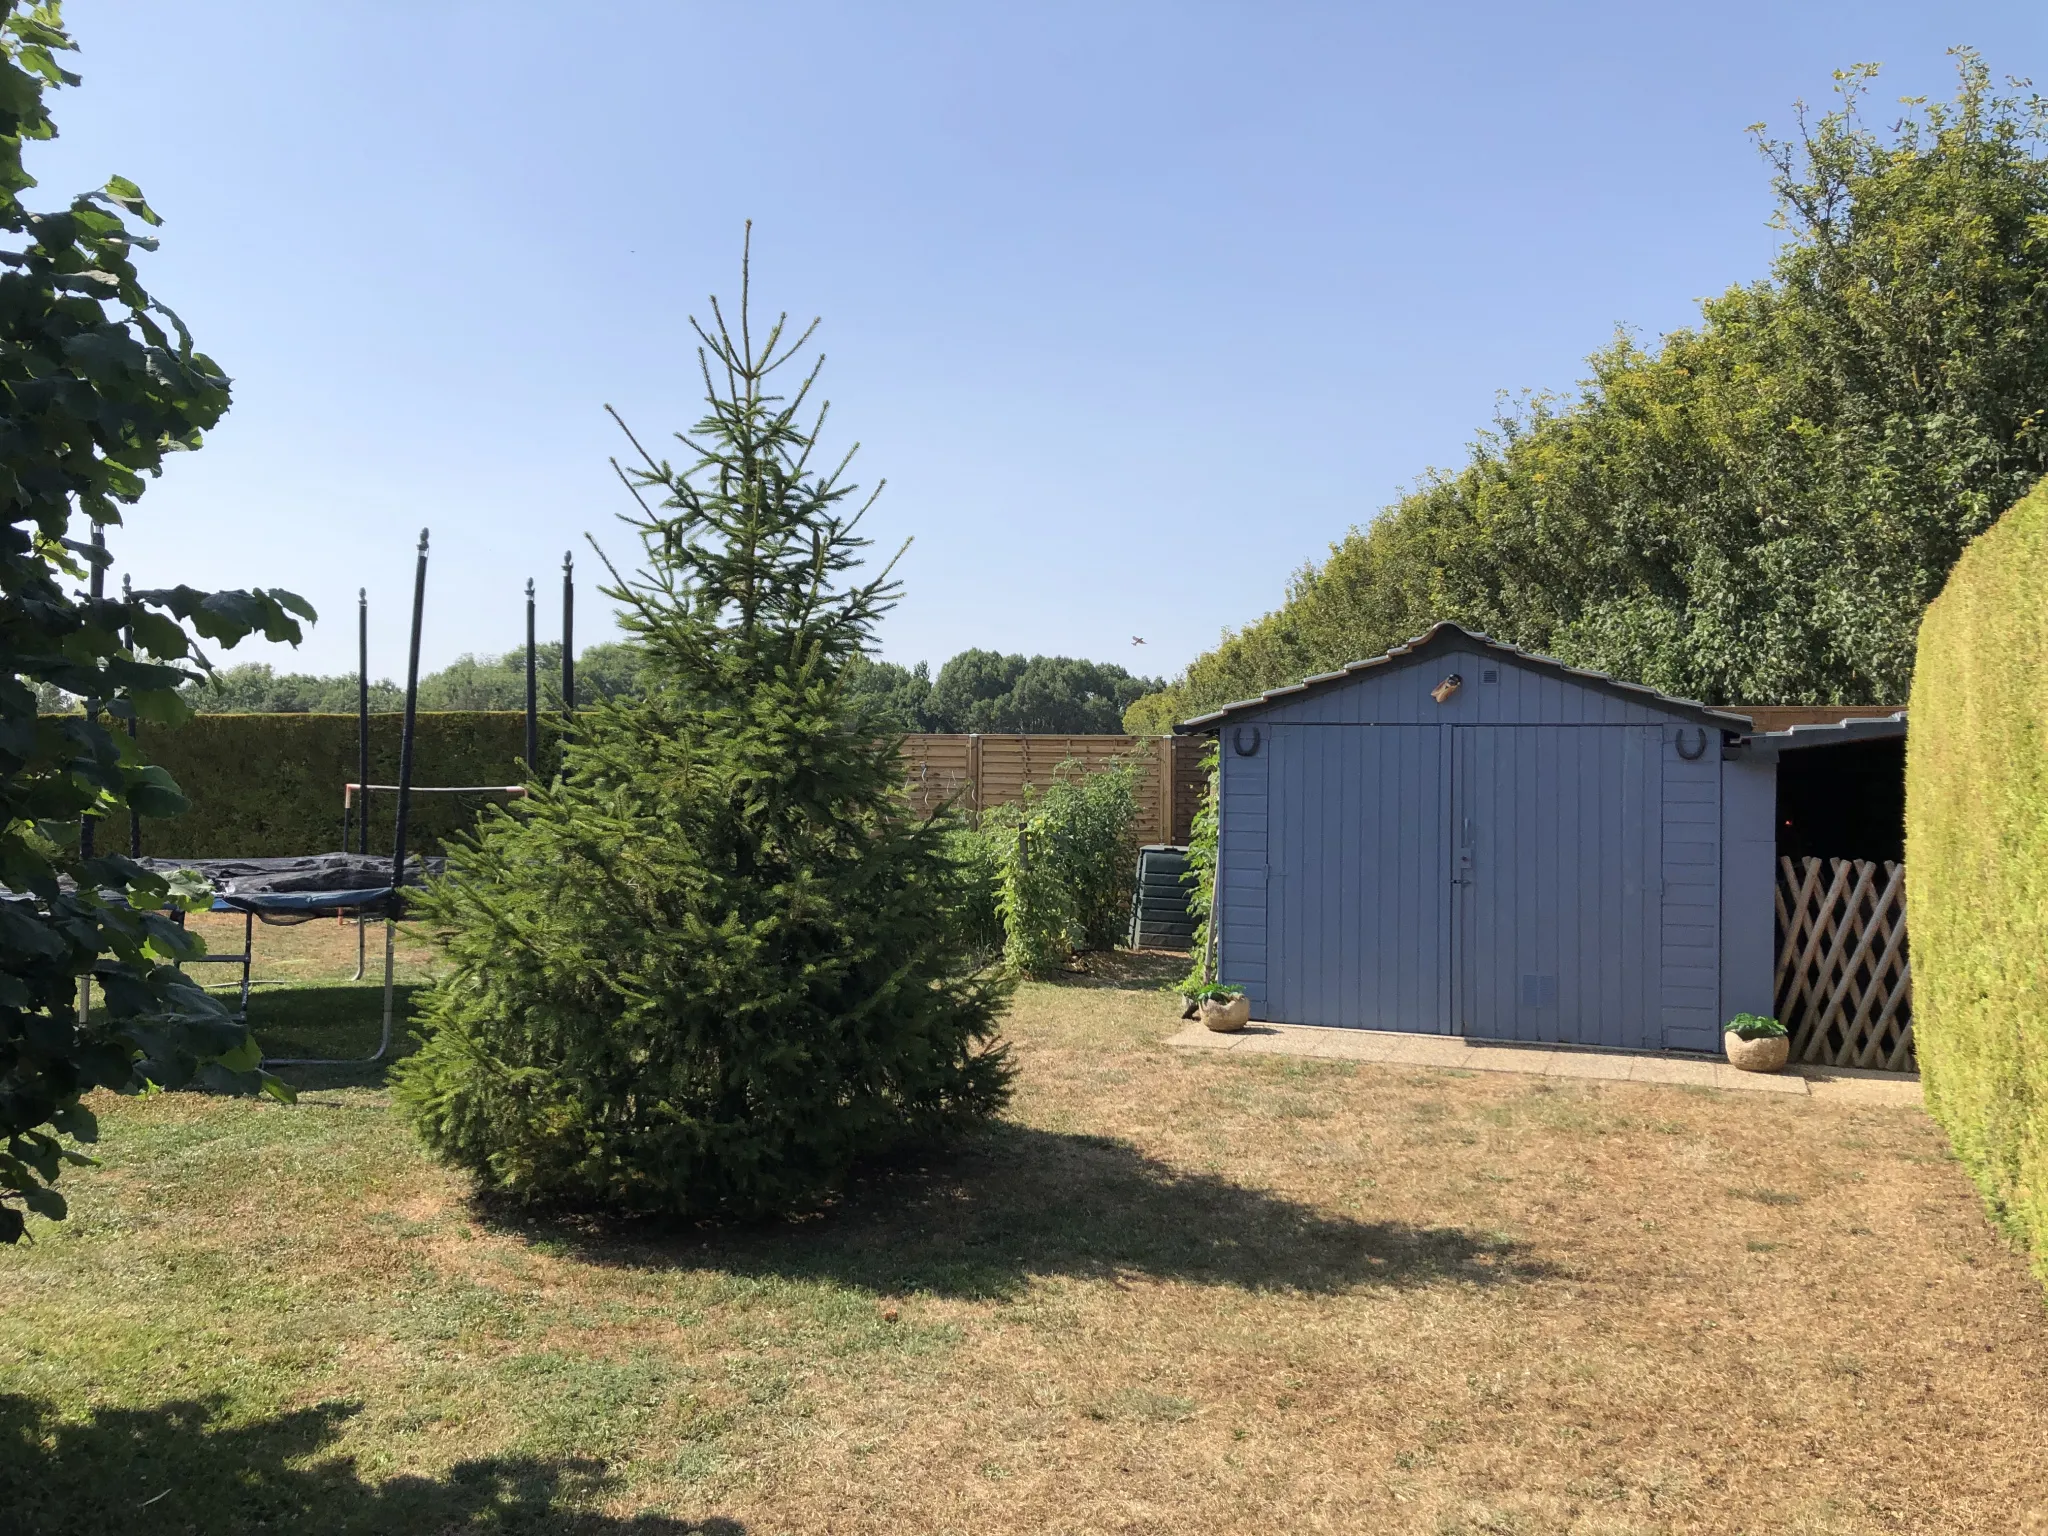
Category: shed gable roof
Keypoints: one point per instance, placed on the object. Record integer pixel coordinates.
(1446, 636)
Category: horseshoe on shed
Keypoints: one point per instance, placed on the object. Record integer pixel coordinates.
(1697, 752)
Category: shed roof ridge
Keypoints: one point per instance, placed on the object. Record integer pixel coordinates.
(1449, 627)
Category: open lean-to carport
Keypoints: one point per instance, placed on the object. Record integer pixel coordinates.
(1463, 838)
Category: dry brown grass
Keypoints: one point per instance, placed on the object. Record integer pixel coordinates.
(1172, 1292)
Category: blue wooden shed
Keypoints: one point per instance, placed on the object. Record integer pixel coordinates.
(1460, 837)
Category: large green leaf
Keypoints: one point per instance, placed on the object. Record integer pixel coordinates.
(101, 382)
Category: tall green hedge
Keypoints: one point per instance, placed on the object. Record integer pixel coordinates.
(1977, 865)
(265, 785)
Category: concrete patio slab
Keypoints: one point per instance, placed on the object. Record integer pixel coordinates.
(1387, 1048)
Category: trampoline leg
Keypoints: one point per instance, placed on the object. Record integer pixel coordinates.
(362, 947)
(248, 955)
(384, 1044)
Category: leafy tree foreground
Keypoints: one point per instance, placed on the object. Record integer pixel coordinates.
(1758, 509)
(99, 383)
(719, 960)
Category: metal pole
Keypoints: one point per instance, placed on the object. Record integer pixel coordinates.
(384, 1041)
(412, 699)
(568, 632)
(362, 722)
(532, 693)
(98, 588)
(405, 741)
(362, 801)
(128, 640)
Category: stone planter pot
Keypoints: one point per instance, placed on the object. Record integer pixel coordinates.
(1223, 1016)
(1767, 1053)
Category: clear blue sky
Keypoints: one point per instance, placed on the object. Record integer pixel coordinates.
(1137, 307)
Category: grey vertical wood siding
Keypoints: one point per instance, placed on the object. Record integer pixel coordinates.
(1530, 858)
(1691, 1000)
(1558, 854)
(1358, 892)
(1399, 695)
(1241, 837)
(1749, 860)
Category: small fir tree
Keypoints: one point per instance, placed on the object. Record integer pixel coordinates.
(718, 960)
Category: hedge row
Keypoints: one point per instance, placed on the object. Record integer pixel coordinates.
(1977, 865)
(267, 785)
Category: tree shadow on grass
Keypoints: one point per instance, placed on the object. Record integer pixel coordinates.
(185, 1466)
(1017, 1202)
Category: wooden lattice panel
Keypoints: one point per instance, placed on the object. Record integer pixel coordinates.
(1844, 988)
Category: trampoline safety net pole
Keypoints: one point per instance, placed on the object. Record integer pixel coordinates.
(568, 632)
(362, 722)
(405, 745)
(362, 807)
(532, 692)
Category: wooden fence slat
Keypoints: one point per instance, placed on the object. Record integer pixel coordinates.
(1805, 974)
(1901, 1058)
(1857, 935)
(977, 772)
(1844, 984)
(1795, 926)
(1890, 915)
(1811, 968)
(1864, 1033)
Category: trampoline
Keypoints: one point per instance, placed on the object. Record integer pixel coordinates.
(285, 891)
(296, 889)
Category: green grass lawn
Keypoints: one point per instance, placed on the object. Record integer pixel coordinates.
(1168, 1292)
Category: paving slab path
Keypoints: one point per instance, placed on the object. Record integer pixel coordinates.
(1385, 1046)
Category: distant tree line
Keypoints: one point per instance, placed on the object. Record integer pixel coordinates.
(1759, 508)
(468, 682)
(988, 691)
(975, 691)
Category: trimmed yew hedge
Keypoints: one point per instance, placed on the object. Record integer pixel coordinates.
(1977, 865)
(266, 785)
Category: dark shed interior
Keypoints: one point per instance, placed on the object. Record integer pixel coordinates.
(1843, 802)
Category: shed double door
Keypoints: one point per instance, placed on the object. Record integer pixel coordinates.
(1558, 841)
(1493, 881)
(1358, 882)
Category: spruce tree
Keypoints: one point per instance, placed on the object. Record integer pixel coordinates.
(719, 959)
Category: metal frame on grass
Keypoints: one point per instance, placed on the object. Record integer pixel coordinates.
(395, 901)
(391, 899)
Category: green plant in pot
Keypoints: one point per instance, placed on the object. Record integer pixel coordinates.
(1756, 1043)
(1219, 1007)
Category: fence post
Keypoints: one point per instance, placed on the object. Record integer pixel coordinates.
(1163, 765)
(974, 773)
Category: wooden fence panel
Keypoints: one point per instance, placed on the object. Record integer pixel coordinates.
(1844, 988)
(939, 769)
(982, 771)
(1190, 785)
